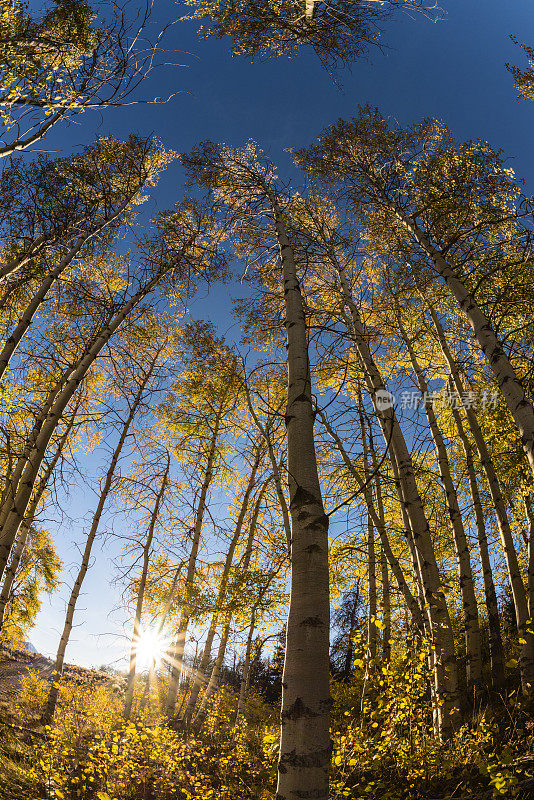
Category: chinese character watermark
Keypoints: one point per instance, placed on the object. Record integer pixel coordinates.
(441, 398)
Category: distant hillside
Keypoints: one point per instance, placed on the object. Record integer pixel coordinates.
(14, 664)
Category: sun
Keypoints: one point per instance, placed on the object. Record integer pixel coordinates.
(151, 647)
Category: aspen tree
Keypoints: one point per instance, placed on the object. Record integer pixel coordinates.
(526, 661)
(339, 32)
(383, 560)
(494, 622)
(146, 552)
(57, 63)
(266, 432)
(177, 262)
(243, 181)
(114, 173)
(243, 567)
(223, 585)
(364, 489)
(245, 676)
(453, 204)
(211, 379)
(418, 530)
(28, 521)
(140, 382)
(467, 586)
(529, 513)
(371, 558)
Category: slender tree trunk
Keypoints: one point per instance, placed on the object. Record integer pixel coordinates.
(446, 672)
(199, 680)
(349, 656)
(371, 567)
(372, 637)
(246, 669)
(75, 591)
(305, 745)
(215, 672)
(529, 512)
(386, 608)
(20, 329)
(177, 651)
(384, 571)
(265, 432)
(411, 602)
(16, 555)
(130, 681)
(214, 676)
(510, 385)
(38, 442)
(14, 473)
(492, 606)
(473, 647)
(526, 659)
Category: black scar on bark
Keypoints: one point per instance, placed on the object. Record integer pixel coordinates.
(302, 497)
(312, 622)
(297, 710)
(316, 759)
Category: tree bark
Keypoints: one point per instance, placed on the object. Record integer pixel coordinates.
(215, 672)
(411, 602)
(529, 512)
(199, 679)
(265, 432)
(305, 745)
(18, 550)
(510, 385)
(371, 565)
(446, 672)
(40, 439)
(25, 320)
(246, 669)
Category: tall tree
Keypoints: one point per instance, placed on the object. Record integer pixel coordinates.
(244, 181)
(58, 62)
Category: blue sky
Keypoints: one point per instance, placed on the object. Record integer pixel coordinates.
(453, 69)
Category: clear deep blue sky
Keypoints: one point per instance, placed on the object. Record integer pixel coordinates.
(453, 69)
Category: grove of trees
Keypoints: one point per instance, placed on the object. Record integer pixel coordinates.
(322, 517)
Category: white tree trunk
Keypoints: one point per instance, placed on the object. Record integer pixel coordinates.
(13, 512)
(396, 569)
(177, 650)
(510, 385)
(473, 647)
(526, 660)
(199, 679)
(446, 672)
(492, 606)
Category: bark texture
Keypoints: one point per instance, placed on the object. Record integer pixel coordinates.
(305, 745)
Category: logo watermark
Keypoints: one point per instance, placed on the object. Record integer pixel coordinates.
(442, 398)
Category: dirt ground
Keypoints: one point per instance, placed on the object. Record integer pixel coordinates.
(15, 664)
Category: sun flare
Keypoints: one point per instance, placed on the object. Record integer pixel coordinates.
(151, 647)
